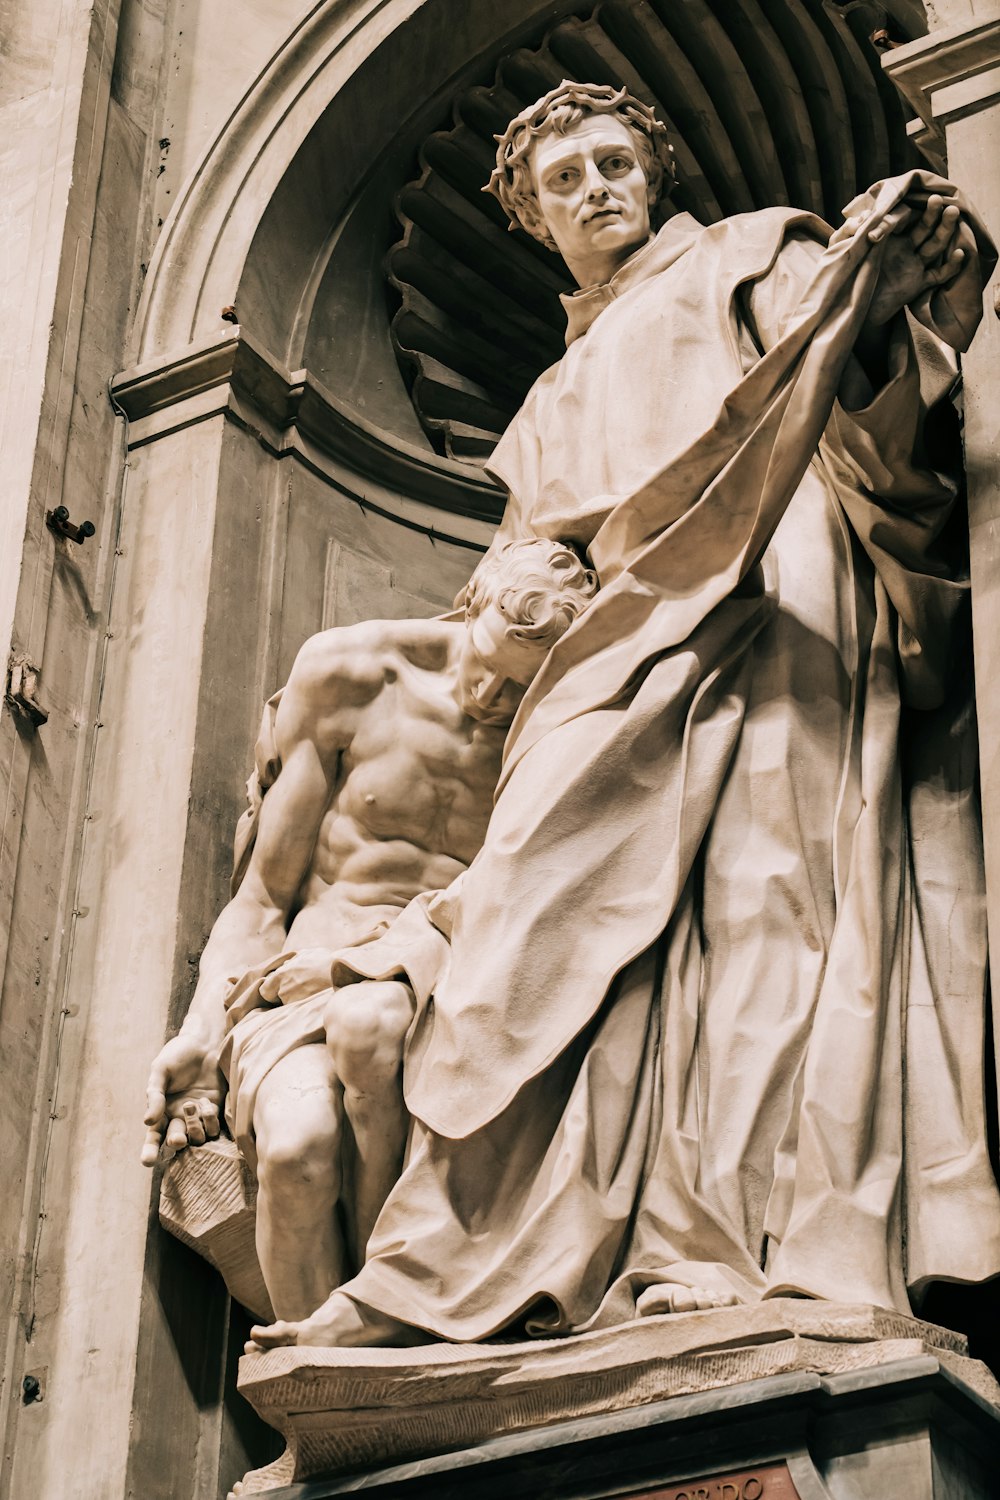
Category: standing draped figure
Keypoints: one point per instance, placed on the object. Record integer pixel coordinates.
(706, 1013)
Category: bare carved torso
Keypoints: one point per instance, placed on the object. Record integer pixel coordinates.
(413, 784)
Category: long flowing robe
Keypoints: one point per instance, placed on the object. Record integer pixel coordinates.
(708, 1007)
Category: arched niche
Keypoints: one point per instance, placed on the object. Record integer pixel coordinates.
(287, 470)
(368, 135)
(326, 404)
(304, 174)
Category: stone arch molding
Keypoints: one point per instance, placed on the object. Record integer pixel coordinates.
(347, 96)
(202, 254)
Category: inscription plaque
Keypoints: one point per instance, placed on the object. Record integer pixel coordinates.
(766, 1482)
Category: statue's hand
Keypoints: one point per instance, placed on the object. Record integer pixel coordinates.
(304, 974)
(182, 1099)
(922, 251)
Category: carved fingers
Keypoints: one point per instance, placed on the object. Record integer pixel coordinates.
(922, 250)
(182, 1100)
(933, 237)
(174, 1068)
(893, 223)
(188, 1121)
(938, 246)
(191, 1122)
(150, 1153)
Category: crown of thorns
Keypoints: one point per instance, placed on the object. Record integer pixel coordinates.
(559, 110)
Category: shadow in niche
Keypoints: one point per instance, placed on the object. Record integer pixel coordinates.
(192, 1434)
(247, 1441)
(193, 1303)
(972, 1310)
(975, 1310)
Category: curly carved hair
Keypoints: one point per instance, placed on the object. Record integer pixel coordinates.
(560, 110)
(538, 586)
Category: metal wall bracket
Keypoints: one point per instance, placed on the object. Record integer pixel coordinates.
(58, 521)
(22, 691)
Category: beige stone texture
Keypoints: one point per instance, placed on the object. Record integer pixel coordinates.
(373, 785)
(73, 162)
(340, 1409)
(952, 78)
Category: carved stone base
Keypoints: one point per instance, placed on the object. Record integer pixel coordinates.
(208, 1200)
(343, 1410)
(910, 1428)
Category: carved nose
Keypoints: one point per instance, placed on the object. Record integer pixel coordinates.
(596, 186)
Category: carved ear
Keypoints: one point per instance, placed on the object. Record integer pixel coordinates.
(532, 222)
(654, 183)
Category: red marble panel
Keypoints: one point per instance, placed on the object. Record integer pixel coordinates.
(767, 1482)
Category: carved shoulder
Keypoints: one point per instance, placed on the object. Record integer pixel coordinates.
(348, 660)
(340, 671)
(335, 673)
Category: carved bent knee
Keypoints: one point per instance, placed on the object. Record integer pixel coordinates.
(293, 1161)
(298, 1131)
(366, 1025)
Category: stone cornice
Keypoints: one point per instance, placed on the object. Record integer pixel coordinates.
(233, 374)
(949, 74)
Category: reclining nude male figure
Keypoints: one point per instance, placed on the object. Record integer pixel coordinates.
(388, 741)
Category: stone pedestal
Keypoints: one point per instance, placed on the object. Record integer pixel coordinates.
(666, 1401)
(908, 1430)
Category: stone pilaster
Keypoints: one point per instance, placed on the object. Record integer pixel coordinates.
(952, 79)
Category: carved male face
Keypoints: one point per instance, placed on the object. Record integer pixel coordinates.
(495, 667)
(593, 195)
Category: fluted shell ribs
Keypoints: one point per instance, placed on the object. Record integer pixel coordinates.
(766, 101)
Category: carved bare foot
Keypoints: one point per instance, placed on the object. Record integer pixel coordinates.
(339, 1323)
(671, 1297)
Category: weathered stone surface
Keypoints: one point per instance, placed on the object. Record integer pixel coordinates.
(953, 81)
(343, 1409)
(909, 1428)
(95, 1259)
(208, 1200)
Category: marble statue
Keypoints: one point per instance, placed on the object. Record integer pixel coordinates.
(703, 1020)
(379, 761)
